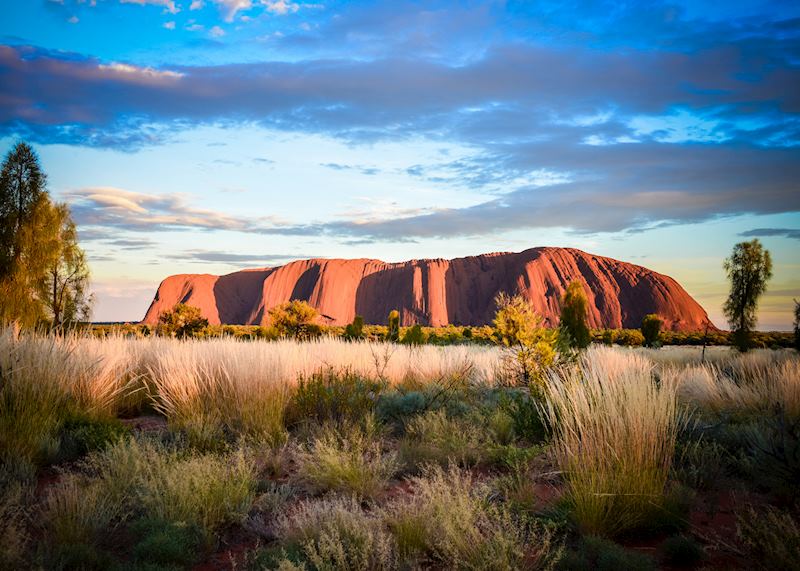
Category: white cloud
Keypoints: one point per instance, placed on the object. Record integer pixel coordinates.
(73, 20)
(280, 7)
(231, 7)
(169, 5)
(216, 32)
(195, 27)
(196, 5)
(140, 72)
(169, 25)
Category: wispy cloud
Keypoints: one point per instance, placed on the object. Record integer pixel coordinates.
(792, 233)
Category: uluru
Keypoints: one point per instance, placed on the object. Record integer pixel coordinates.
(437, 292)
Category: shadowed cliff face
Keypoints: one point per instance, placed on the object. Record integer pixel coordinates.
(438, 292)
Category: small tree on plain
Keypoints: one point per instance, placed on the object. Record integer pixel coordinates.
(181, 321)
(651, 330)
(749, 269)
(295, 319)
(573, 327)
(414, 335)
(393, 331)
(518, 327)
(354, 330)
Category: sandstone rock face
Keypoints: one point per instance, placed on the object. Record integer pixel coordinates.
(437, 292)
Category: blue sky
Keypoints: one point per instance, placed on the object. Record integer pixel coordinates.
(207, 136)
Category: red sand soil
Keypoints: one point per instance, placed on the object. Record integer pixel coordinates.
(437, 292)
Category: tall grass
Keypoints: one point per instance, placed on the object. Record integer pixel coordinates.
(46, 379)
(614, 438)
(753, 383)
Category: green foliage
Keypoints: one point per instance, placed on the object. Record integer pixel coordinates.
(451, 520)
(80, 435)
(182, 321)
(434, 437)
(332, 397)
(393, 326)
(534, 348)
(573, 325)
(43, 272)
(414, 335)
(772, 538)
(166, 543)
(629, 338)
(351, 461)
(681, 551)
(335, 534)
(774, 451)
(75, 512)
(749, 269)
(354, 330)
(603, 555)
(701, 464)
(524, 408)
(164, 483)
(295, 319)
(651, 330)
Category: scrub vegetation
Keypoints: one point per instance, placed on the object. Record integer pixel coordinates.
(167, 452)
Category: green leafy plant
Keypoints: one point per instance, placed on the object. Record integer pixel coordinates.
(572, 325)
(354, 330)
(414, 336)
(295, 319)
(393, 326)
(182, 321)
(651, 330)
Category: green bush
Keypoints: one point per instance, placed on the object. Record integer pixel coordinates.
(681, 551)
(629, 337)
(393, 326)
(596, 553)
(182, 321)
(774, 443)
(436, 437)
(166, 543)
(351, 462)
(772, 538)
(651, 330)
(295, 319)
(335, 534)
(80, 435)
(700, 464)
(414, 336)
(572, 325)
(332, 397)
(354, 330)
(524, 409)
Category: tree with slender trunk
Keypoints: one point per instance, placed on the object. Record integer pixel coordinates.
(749, 269)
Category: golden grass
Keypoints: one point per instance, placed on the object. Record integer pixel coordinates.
(614, 438)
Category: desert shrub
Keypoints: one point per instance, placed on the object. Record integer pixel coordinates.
(772, 537)
(398, 407)
(80, 435)
(15, 496)
(651, 330)
(701, 464)
(295, 319)
(393, 326)
(572, 325)
(774, 443)
(354, 330)
(681, 551)
(166, 543)
(614, 432)
(450, 520)
(350, 461)
(414, 336)
(332, 397)
(533, 348)
(335, 534)
(436, 437)
(629, 337)
(167, 484)
(182, 321)
(524, 408)
(75, 511)
(603, 555)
